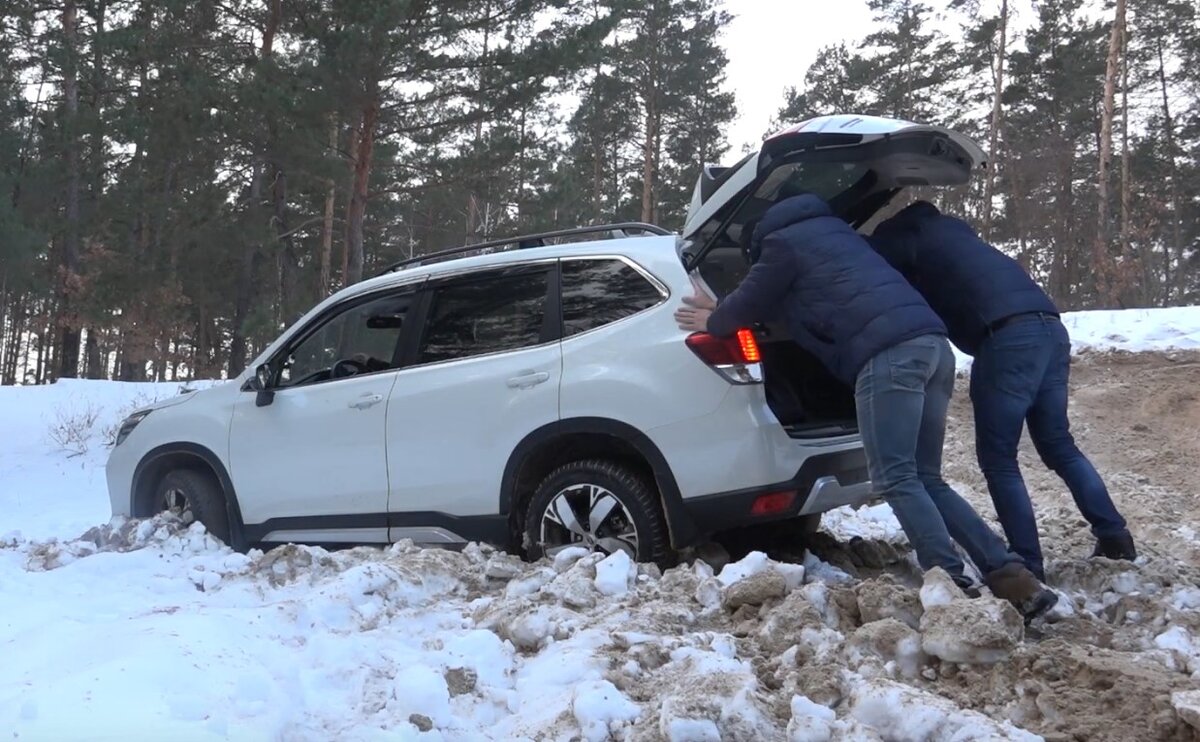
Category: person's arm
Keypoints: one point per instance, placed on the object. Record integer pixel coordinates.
(758, 297)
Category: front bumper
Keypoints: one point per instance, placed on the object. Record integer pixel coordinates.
(825, 481)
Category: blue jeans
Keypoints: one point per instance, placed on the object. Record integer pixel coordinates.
(1020, 376)
(902, 396)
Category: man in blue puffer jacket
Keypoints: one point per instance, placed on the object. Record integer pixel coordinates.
(844, 304)
(997, 313)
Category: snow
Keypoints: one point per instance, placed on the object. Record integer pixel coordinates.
(615, 573)
(46, 489)
(874, 522)
(157, 627)
(1131, 330)
(912, 715)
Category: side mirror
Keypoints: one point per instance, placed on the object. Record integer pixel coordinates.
(261, 383)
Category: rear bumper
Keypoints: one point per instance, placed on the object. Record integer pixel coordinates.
(823, 482)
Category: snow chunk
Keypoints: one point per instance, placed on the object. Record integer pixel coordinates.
(905, 714)
(531, 630)
(598, 706)
(690, 730)
(747, 566)
(566, 558)
(615, 573)
(891, 642)
(875, 522)
(756, 589)
(1187, 705)
(885, 598)
(418, 689)
(979, 631)
(1182, 645)
(810, 722)
(938, 589)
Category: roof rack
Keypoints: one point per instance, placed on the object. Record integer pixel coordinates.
(538, 239)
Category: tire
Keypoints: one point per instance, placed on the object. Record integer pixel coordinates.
(197, 494)
(582, 484)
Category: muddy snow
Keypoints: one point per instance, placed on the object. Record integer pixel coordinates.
(153, 630)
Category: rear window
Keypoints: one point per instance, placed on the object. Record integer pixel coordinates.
(825, 179)
(487, 313)
(598, 292)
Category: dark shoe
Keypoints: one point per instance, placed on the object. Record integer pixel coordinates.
(1116, 547)
(1016, 584)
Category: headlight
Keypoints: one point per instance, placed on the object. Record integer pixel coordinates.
(128, 425)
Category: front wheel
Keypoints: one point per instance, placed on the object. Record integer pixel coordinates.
(194, 496)
(599, 505)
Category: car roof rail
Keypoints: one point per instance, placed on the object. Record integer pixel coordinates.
(524, 241)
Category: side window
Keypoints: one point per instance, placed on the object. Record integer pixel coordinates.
(486, 313)
(597, 292)
(365, 335)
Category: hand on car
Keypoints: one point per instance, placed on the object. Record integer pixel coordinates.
(693, 316)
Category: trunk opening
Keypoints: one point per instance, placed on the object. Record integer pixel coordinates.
(808, 401)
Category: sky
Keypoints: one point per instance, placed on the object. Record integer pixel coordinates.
(771, 44)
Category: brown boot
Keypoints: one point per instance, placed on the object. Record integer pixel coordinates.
(1016, 584)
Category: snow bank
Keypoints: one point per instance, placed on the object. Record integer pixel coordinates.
(53, 444)
(1132, 330)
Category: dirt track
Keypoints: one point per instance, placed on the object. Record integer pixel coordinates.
(1137, 416)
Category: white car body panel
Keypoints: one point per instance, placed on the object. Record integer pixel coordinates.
(465, 406)
(315, 450)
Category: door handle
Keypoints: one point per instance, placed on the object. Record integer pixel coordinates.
(528, 380)
(366, 400)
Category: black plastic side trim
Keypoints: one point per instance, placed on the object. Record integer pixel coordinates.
(726, 510)
(679, 523)
(490, 529)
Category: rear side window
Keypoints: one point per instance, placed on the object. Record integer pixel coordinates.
(488, 313)
(597, 292)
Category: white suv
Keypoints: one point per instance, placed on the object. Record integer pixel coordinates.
(542, 396)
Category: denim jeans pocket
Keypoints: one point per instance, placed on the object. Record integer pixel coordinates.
(910, 365)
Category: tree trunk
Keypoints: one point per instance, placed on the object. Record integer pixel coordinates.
(1103, 265)
(357, 208)
(91, 354)
(650, 90)
(650, 159)
(1125, 275)
(244, 293)
(1173, 174)
(989, 182)
(289, 263)
(69, 281)
(327, 226)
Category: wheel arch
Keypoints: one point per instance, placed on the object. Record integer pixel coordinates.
(181, 455)
(560, 442)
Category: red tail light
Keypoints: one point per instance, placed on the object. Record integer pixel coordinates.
(736, 358)
(749, 346)
(740, 349)
(772, 503)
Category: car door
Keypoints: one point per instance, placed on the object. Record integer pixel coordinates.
(312, 464)
(483, 375)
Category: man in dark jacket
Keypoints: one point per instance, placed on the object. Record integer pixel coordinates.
(997, 313)
(845, 305)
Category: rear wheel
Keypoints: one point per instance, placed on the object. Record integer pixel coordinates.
(194, 496)
(599, 505)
